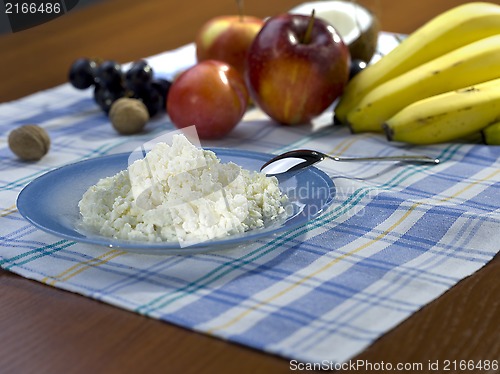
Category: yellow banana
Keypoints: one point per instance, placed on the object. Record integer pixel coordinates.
(472, 64)
(491, 134)
(452, 29)
(448, 116)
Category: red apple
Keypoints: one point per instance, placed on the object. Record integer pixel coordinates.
(211, 96)
(227, 38)
(296, 67)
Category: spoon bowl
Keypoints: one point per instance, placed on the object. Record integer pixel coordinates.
(302, 158)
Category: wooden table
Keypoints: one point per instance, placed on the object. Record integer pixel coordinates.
(46, 330)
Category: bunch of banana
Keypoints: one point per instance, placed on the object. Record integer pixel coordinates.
(474, 63)
(452, 54)
(448, 116)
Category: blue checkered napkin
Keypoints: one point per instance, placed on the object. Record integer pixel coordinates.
(396, 237)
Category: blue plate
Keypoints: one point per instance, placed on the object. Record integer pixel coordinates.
(50, 202)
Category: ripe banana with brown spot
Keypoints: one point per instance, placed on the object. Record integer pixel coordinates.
(450, 30)
(448, 116)
(491, 134)
(472, 64)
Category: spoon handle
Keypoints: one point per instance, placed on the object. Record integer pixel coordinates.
(407, 158)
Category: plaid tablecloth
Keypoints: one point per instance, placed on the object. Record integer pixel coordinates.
(396, 237)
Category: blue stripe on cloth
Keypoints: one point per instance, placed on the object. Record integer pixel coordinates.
(321, 303)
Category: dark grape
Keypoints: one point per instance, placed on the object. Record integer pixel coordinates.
(82, 73)
(109, 75)
(356, 67)
(154, 103)
(152, 99)
(105, 97)
(163, 87)
(112, 84)
(139, 76)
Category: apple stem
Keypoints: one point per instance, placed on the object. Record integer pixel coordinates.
(239, 4)
(307, 35)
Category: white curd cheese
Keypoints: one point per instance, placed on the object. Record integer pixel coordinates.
(180, 193)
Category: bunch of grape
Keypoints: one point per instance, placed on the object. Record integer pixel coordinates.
(111, 83)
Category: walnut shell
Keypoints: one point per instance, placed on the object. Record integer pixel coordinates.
(128, 116)
(29, 142)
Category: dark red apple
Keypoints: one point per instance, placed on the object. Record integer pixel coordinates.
(211, 95)
(296, 67)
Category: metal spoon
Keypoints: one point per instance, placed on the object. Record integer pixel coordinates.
(303, 158)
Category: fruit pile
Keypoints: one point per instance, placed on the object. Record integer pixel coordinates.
(442, 83)
(111, 83)
(292, 66)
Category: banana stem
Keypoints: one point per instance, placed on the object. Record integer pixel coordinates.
(307, 35)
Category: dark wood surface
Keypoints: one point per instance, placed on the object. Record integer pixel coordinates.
(46, 330)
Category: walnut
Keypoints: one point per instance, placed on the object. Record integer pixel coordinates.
(128, 116)
(29, 142)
